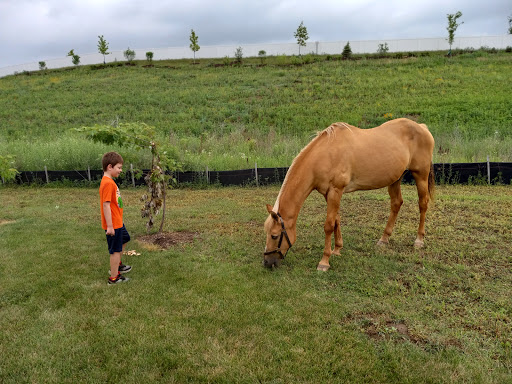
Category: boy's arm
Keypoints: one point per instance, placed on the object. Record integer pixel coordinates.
(108, 218)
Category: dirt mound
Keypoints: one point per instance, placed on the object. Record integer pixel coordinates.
(167, 240)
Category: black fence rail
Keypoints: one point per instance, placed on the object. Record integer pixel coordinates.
(446, 173)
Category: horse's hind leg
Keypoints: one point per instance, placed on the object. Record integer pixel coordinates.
(395, 193)
(421, 179)
(333, 198)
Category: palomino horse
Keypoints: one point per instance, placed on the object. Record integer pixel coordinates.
(343, 159)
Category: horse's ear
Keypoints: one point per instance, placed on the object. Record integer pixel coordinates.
(272, 213)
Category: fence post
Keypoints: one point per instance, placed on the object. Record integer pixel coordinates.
(89, 173)
(256, 171)
(131, 173)
(488, 171)
(207, 176)
(46, 173)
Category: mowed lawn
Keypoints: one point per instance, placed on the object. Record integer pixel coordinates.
(207, 311)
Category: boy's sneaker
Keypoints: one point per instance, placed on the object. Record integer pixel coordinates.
(119, 279)
(123, 268)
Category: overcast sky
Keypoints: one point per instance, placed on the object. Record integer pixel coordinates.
(38, 30)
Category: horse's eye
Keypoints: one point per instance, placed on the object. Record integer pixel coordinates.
(274, 237)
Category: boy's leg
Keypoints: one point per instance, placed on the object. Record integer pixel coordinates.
(115, 260)
(126, 238)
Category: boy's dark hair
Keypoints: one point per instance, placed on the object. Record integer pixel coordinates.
(111, 158)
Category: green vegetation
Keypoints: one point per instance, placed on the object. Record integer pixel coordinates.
(194, 46)
(224, 116)
(209, 312)
(347, 51)
(129, 55)
(103, 47)
(452, 27)
(301, 34)
(75, 59)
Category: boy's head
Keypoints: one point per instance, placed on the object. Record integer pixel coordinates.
(111, 158)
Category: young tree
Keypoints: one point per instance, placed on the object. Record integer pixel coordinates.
(383, 48)
(452, 27)
(129, 55)
(347, 52)
(510, 25)
(7, 170)
(75, 59)
(42, 65)
(193, 43)
(149, 56)
(301, 35)
(140, 136)
(239, 56)
(262, 55)
(103, 47)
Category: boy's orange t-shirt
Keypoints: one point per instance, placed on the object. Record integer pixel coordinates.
(109, 191)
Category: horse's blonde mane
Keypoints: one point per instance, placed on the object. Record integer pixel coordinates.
(330, 131)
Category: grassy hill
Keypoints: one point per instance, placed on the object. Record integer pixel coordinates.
(225, 116)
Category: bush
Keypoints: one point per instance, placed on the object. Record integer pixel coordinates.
(347, 52)
(7, 170)
(129, 54)
(262, 55)
(239, 56)
(308, 59)
(383, 48)
(42, 65)
(149, 56)
(508, 49)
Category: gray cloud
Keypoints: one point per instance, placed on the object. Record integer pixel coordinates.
(34, 30)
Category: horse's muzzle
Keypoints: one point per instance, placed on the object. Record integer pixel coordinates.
(271, 262)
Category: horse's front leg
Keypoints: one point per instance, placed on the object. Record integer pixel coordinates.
(338, 239)
(333, 198)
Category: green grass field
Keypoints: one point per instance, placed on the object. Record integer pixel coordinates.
(209, 312)
(229, 117)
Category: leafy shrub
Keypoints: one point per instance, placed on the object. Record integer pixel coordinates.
(308, 59)
(75, 59)
(508, 49)
(383, 48)
(239, 55)
(262, 55)
(282, 60)
(42, 65)
(149, 56)
(7, 170)
(129, 55)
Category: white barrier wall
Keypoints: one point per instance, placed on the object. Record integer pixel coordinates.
(288, 49)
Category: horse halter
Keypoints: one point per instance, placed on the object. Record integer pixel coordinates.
(283, 234)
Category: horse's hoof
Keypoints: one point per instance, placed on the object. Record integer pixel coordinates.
(418, 244)
(381, 243)
(323, 268)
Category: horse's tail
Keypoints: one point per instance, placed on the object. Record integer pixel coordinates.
(431, 182)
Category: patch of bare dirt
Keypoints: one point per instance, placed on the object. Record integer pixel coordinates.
(3, 222)
(167, 240)
(380, 326)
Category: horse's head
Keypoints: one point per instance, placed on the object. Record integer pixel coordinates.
(278, 239)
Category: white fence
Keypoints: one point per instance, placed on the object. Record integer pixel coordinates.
(251, 50)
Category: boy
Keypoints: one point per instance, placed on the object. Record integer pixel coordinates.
(112, 216)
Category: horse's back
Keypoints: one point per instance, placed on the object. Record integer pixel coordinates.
(377, 157)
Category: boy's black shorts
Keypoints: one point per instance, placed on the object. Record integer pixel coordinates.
(115, 243)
